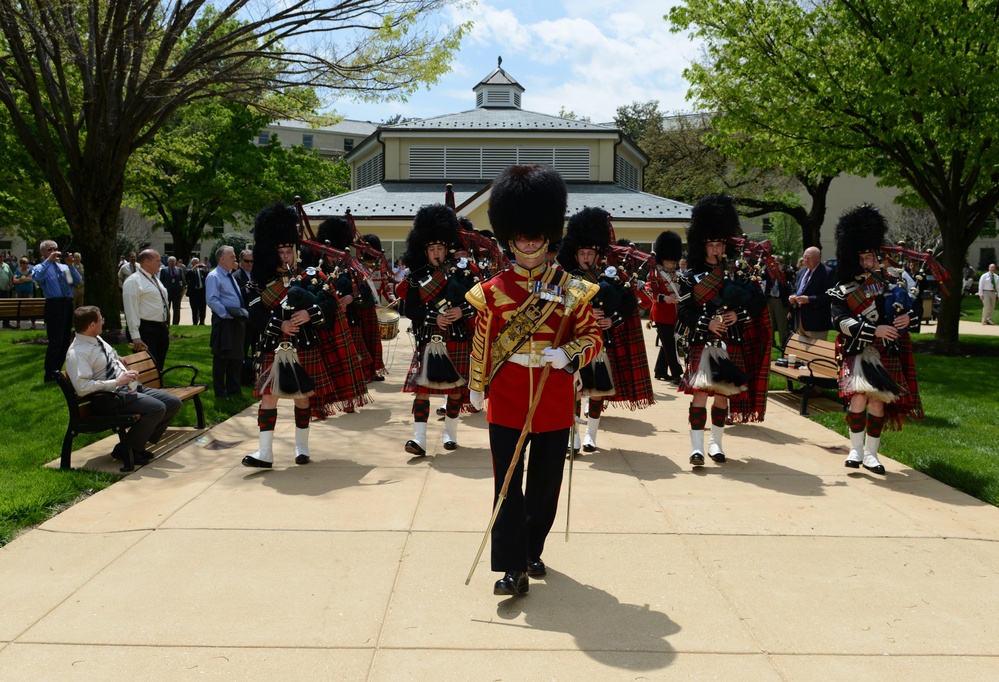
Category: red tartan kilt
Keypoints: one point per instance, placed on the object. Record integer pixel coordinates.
(630, 364)
(694, 362)
(460, 353)
(371, 334)
(311, 361)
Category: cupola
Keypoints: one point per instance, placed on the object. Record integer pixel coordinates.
(498, 90)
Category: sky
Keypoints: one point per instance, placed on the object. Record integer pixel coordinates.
(588, 56)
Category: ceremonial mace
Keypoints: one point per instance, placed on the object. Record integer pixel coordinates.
(520, 446)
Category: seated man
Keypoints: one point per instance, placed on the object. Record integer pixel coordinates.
(92, 365)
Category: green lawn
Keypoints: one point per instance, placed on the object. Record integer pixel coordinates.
(33, 416)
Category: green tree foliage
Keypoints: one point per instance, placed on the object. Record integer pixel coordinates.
(903, 91)
(88, 82)
(685, 164)
(204, 170)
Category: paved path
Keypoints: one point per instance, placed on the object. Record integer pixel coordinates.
(778, 565)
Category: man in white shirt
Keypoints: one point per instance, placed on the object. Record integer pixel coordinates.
(92, 365)
(987, 292)
(146, 308)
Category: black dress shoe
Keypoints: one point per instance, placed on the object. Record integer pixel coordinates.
(589, 448)
(251, 461)
(450, 445)
(441, 411)
(719, 457)
(697, 459)
(851, 463)
(301, 459)
(512, 583)
(142, 456)
(536, 568)
(379, 378)
(879, 469)
(675, 381)
(413, 448)
(661, 378)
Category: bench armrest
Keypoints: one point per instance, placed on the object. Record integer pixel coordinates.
(190, 367)
(822, 362)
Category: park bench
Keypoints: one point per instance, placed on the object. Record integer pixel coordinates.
(22, 309)
(82, 420)
(816, 366)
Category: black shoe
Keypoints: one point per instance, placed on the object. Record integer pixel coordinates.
(450, 445)
(49, 378)
(251, 461)
(661, 378)
(675, 381)
(413, 448)
(536, 568)
(511, 584)
(697, 459)
(441, 411)
(852, 464)
(301, 459)
(142, 456)
(720, 457)
(589, 448)
(879, 469)
(379, 378)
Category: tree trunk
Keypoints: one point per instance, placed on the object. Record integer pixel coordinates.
(95, 227)
(955, 250)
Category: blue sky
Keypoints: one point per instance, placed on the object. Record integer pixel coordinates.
(589, 56)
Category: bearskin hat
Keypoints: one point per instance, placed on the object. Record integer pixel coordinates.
(860, 229)
(337, 232)
(668, 246)
(528, 201)
(713, 218)
(374, 241)
(588, 229)
(434, 224)
(275, 226)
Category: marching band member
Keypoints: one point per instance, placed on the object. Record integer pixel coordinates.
(872, 314)
(435, 303)
(718, 306)
(529, 315)
(621, 375)
(303, 333)
(664, 292)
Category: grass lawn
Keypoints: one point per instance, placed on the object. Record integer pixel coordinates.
(33, 415)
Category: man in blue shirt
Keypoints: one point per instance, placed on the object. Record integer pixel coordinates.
(228, 324)
(56, 281)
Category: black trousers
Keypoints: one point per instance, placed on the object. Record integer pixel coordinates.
(527, 515)
(59, 330)
(199, 305)
(156, 336)
(158, 408)
(175, 300)
(667, 363)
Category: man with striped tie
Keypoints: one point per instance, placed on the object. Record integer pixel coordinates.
(92, 365)
(147, 308)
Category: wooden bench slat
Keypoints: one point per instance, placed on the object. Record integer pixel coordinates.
(819, 371)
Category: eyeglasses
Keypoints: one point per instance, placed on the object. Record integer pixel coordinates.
(247, 260)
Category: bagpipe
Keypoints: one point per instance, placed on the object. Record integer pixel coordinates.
(485, 251)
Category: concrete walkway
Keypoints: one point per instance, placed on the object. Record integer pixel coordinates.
(778, 565)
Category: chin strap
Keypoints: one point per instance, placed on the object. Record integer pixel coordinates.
(536, 254)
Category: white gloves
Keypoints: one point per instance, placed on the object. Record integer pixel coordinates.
(476, 399)
(556, 357)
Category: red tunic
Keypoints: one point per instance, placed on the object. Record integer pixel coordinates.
(513, 386)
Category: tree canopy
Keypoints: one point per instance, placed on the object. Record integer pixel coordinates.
(903, 91)
(88, 82)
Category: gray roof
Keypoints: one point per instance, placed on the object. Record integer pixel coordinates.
(499, 77)
(499, 119)
(401, 200)
(347, 126)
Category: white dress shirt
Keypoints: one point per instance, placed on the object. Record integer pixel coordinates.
(987, 282)
(86, 364)
(145, 299)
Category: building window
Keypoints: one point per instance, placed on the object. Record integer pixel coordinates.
(6, 245)
(263, 137)
(986, 256)
(307, 141)
(348, 144)
(767, 226)
(484, 163)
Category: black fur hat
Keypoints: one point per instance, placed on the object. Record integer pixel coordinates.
(275, 226)
(588, 229)
(337, 232)
(528, 201)
(374, 241)
(860, 229)
(434, 224)
(713, 218)
(668, 246)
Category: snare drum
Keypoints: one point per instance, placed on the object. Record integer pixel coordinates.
(388, 323)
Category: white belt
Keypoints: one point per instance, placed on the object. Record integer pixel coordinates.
(527, 359)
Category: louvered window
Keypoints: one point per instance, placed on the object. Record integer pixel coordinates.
(627, 174)
(370, 172)
(485, 163)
